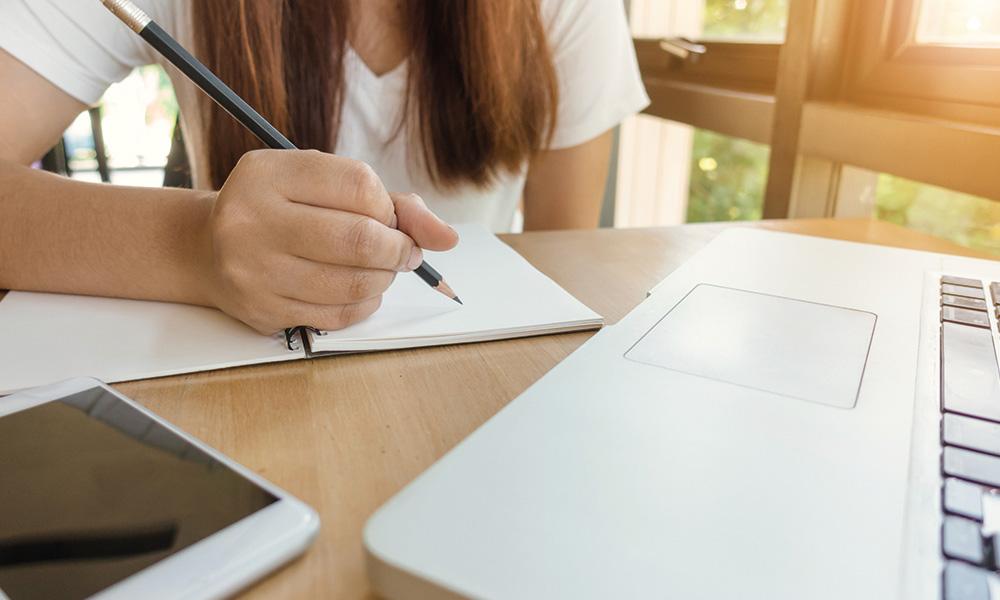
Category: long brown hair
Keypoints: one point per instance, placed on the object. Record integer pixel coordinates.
(481, 96)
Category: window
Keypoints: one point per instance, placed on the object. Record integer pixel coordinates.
(965, 22)
(671, 173)
(703, 160)
(138, 116)
(939, 58)
(938, 72)
(818, 108)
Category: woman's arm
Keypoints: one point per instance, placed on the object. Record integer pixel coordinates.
(61, 235)
(293, 237)
(565, 187)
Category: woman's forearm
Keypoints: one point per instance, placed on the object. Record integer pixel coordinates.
(60, 235)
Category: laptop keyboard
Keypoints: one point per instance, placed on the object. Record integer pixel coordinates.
(970, 435)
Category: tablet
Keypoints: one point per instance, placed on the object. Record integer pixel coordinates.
(99, 497)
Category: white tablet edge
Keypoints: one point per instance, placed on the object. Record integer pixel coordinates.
(222, 563)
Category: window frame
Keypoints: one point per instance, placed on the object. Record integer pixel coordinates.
(729, 90)
(887, 67)
(743, 66)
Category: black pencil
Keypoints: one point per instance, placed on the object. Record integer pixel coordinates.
(229, 100)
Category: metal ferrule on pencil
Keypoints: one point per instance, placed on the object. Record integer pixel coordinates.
(129, 13)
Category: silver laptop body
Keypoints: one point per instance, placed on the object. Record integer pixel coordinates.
(766, 425)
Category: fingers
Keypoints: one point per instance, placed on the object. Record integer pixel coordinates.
(313, 294)
(320, 179)
(324, 284)
(326, 317)
(342, 238)
(423, 226)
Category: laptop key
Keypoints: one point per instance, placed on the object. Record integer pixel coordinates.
(974, 434)
(970, 379)
(961, 290)
(961, 302)
(946, 279)
(963, 498)
(965, 316)
(995, 292)
(965, 582)
(973, 466)
(962, 540)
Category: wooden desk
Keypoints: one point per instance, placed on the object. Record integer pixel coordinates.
(346, 433)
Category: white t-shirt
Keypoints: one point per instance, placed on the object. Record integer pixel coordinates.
(82, 49)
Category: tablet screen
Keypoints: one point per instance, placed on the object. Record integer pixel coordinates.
(92, 491)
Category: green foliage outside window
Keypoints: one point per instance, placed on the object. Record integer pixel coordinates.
(747, 19)
(967, 220)
(728, 176)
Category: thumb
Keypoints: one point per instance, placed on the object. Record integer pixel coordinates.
(417, 221)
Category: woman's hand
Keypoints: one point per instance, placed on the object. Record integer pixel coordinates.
(306, 238)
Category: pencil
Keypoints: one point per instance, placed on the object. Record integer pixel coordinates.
(230, 101)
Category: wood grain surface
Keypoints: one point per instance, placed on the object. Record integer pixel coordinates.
(345, 433)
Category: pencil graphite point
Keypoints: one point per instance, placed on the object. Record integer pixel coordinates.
(445, 289)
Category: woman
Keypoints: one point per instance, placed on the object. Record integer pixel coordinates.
(431, 111)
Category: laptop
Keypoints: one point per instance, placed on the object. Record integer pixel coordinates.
(784, 417)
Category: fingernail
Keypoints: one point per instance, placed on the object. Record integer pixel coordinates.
(416, 257)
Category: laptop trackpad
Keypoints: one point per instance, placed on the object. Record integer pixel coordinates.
(790, 347)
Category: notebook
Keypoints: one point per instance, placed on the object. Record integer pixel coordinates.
(50, 337)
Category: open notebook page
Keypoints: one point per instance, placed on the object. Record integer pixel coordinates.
(504, 297)
(50, 337)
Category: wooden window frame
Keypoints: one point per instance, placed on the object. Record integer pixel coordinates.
(729, 90)
(888, 68)
(749, 67)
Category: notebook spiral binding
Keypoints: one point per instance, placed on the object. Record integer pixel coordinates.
(292, 342)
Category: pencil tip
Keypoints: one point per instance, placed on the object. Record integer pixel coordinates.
(459, 300)
(446, 290)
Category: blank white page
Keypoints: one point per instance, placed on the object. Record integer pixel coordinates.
(504, 297)
(49, 337)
